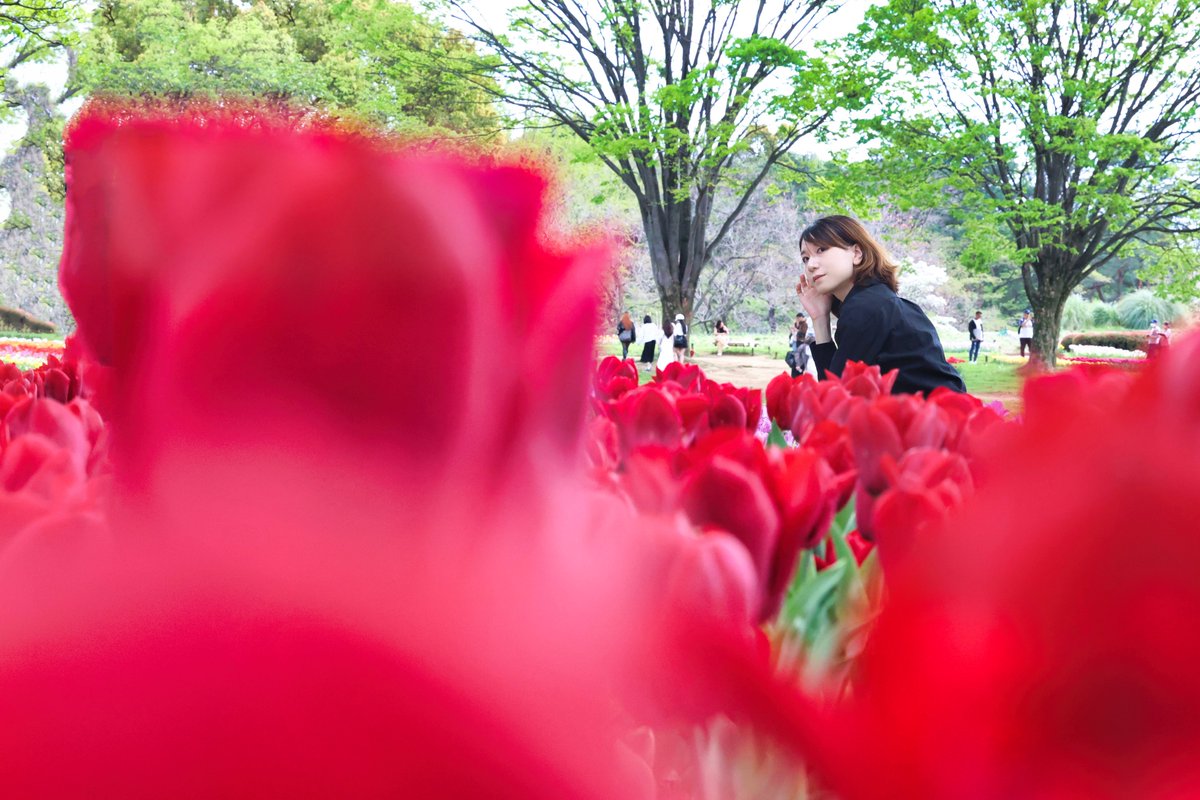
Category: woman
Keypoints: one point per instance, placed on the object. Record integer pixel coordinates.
(798, 347)
(665, 352)
(680, 341)
(849, 275)
(650, 335)
(722, 336)
(625, 334)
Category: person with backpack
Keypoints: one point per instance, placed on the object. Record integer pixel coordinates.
(680, 338)
(626, 334)
(798, 343)
(975, 330)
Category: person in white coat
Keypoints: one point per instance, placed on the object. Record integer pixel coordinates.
(651, 337)
(666, 345)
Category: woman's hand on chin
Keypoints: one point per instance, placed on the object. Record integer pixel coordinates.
(815, 303)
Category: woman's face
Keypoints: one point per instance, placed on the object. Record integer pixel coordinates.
(830, 269)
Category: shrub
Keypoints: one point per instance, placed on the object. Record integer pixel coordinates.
(14, 319)
(1077, 314)
(1104, 315)
(1136, 309)
(1123, 340)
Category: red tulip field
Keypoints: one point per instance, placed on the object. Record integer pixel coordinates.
(251, 544)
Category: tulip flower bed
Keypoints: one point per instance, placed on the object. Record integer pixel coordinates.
(1122, 363)
(28, 353)
(231, 564)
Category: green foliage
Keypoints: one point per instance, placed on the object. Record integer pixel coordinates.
(1123, 340)
(1083, 315)
(827, 613)
(675, 100)
(368, 58)
(17, 221)
(1136, 309)
(1077, 315)
(1066, 124)
(1172, 266)
(1104, 315)
(47, 138)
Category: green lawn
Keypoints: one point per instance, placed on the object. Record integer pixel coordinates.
(990, 377)
(26, 335)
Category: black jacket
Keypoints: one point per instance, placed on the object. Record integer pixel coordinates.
(878, 327)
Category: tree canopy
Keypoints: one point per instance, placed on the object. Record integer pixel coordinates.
(1067, 126)
(375, 59)
(668, 95)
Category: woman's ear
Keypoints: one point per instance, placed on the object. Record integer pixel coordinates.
(858, 256)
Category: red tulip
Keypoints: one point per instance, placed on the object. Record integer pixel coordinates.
(210, 312)
(724, 494)
(331, 577)
(1024, 652)
(615, 377)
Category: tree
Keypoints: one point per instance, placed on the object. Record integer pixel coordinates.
(373, 59)
(668, 94)
(1071, 123)
(34, 31)
(755, 267)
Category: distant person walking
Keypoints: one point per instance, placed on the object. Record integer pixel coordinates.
(649, 334)
(626, 334)
(722, 336)
(666, 351)
(799, 355)
(975, 329)
(679, 339)
(1025, 332)
(1155, 340)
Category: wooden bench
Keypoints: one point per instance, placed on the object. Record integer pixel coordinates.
(740, 343)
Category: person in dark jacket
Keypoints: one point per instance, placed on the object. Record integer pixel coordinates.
(849, 275)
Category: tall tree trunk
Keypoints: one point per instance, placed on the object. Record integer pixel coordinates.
(1047, 301)
(675, 237)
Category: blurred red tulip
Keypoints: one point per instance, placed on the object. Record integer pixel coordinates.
(614, 378)
(330, 576)
(1023, 652)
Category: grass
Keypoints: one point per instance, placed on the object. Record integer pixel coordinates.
(44, 336)
(989, 376)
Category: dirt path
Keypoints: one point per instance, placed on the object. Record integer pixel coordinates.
(755, 372)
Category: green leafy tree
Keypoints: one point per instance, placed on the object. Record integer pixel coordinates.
(374, 59)
(668, 95)
(1069, 123)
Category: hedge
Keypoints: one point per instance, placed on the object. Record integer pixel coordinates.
(14, 319)
(1125, 340)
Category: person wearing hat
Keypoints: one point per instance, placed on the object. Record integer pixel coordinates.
(679, 339)
(1154, 339)
(1025, 332)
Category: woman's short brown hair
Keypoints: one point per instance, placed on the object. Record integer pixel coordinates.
(838, 230)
